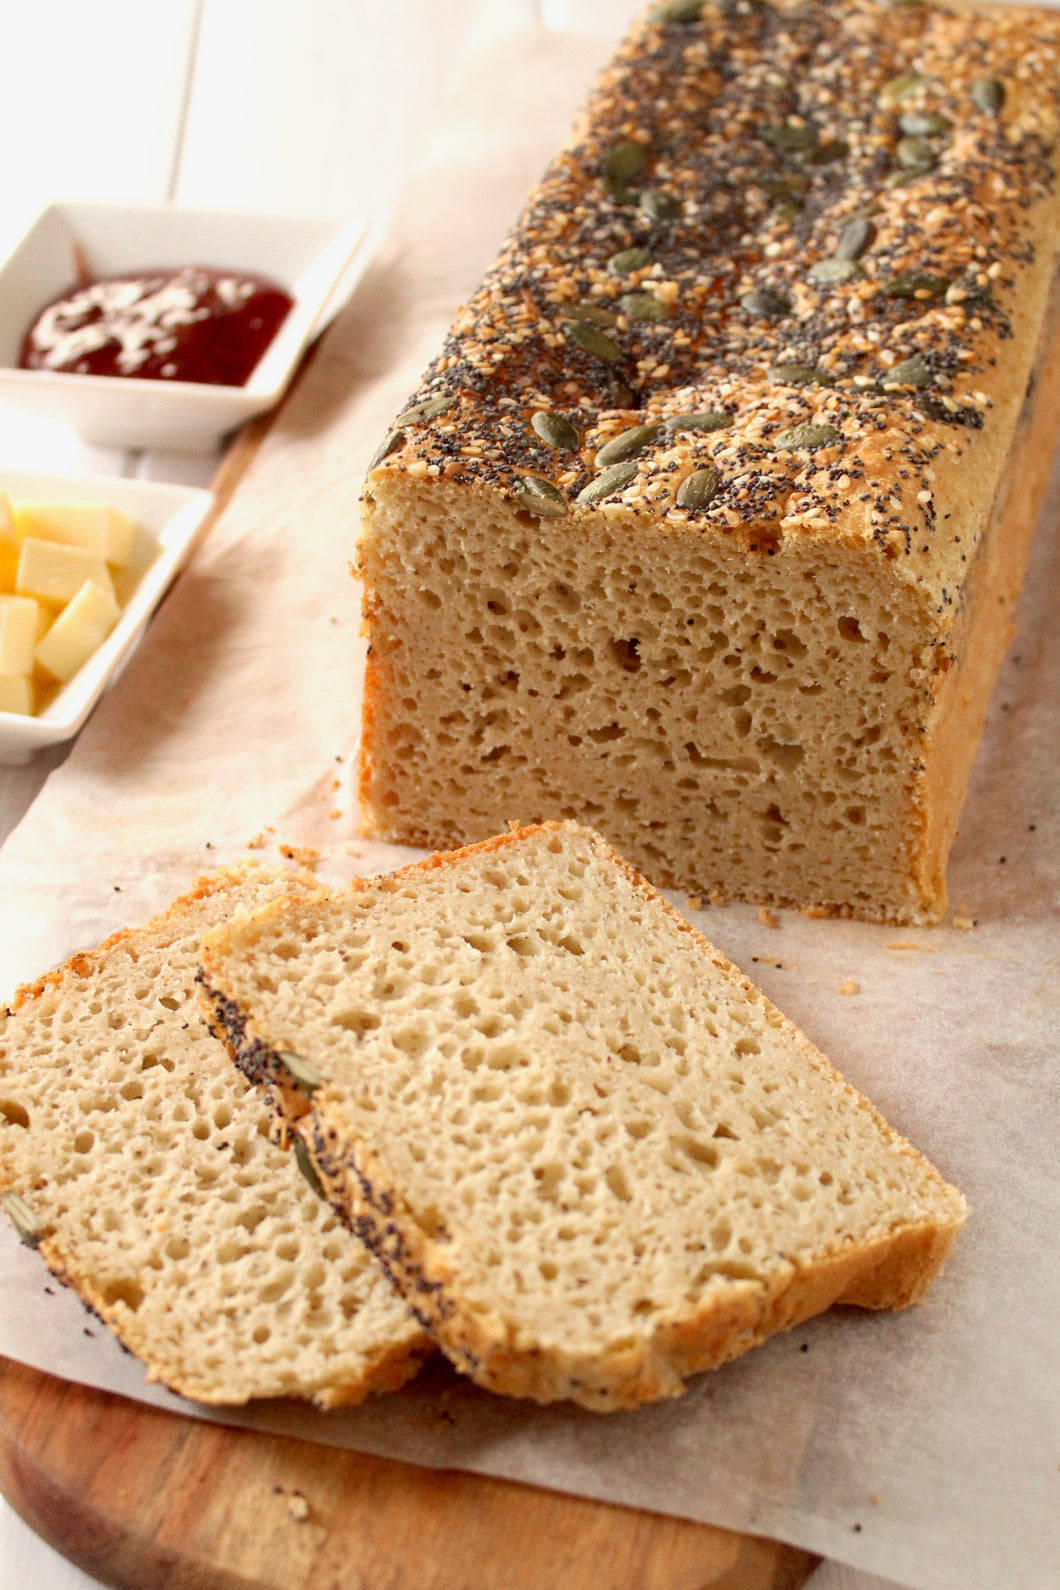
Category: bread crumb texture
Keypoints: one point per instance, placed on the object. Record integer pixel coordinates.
(593, 1157)
(150, 1172)
(680, 533)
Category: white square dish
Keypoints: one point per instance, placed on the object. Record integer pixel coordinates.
(167, 518)
(317, 261)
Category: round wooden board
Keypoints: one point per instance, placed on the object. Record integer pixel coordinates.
(145, 1500)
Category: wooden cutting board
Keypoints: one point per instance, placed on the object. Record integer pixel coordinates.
(146, 1500)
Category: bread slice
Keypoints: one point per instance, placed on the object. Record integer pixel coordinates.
(592, 1156)
(133, 1151)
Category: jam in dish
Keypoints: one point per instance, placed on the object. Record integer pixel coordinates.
(191, 324)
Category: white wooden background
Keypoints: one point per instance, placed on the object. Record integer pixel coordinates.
(299, 107)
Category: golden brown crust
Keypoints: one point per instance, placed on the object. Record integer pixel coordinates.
(988, 616)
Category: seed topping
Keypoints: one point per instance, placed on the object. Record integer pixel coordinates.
(556, 430)
(540, 497)
(304, 1071)
(21, 1215)
(760, 225)
(699, 489)
(616, 478)
(628, 444)
(807, 436)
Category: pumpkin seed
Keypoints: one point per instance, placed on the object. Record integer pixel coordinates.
(699, 420)
(594, 341)
(765, 304)
(915, 286)
(677, 11)
(910, 372)
(595, 314)
(618, 192)
(833, 270)
(857, 236)
(658, 205)
(628, 260)
(540, 497)
(824, 154)
(390, 443)
(306, 1166)
(617, 478)
(556, 430)
(915, 154)
(789, 140)
(923, 123)
(806, 436)
(304, 1071)
(643, 306)
(429, 409)
(989, 95)
(699, 489)
(900, 89)
(781, 184)
(627, 444)
(801, 375)
(625, 160)
(28, 1225)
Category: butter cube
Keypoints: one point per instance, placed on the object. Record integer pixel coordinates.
(84, 623)
(94, 526)
(19, 633)
(56, 573)
(16, 694)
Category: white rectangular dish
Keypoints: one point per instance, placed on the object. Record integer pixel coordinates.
(317, 261)
(167, 519)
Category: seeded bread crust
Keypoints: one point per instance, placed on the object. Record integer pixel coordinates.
(892, 1270)
(107, 1055)
(870, 330)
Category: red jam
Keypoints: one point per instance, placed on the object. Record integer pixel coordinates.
(192, 324)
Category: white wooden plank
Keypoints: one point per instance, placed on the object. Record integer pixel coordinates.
(313, 109)
(92, 102)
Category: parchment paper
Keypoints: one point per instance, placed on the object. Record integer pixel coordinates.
(925, 1446)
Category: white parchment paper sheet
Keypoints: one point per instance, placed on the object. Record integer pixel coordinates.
(924, 1447)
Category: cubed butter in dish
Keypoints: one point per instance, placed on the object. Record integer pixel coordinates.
(97, 527)
(20, 630)
(84, 624)
(16, 694)
(55, 573)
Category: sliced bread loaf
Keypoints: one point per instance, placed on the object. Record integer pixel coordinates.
(134, 1154)
(592, 1156)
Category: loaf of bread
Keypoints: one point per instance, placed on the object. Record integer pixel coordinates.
(134, 1156)
(707, 524)
(591, 1155)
